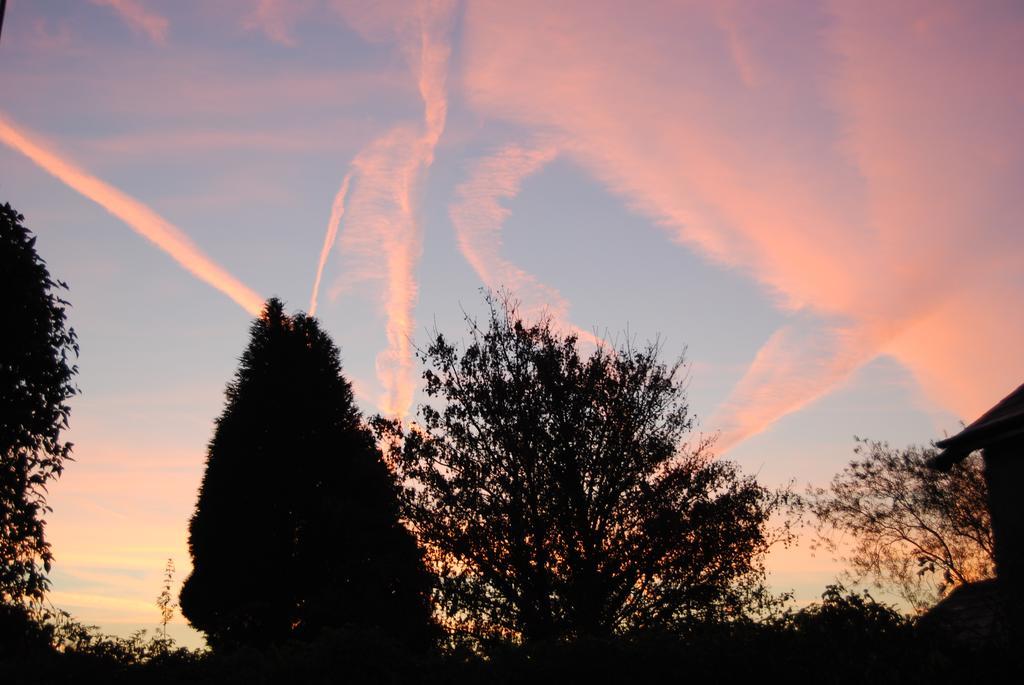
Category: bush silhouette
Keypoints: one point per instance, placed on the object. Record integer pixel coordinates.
(297, 523)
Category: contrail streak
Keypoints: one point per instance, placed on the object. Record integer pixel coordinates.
(337, 211)
(138, 216)
(381, 230)
(395, 364)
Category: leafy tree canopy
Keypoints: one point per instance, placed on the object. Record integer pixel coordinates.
(555, 494)
(36, 381)
(904, 525)
(297, 522)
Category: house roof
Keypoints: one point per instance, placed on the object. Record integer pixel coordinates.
(1001, 422)
(970, 613)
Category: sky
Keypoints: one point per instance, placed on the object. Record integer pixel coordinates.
(817, 202)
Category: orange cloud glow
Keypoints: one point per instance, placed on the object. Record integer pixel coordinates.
(138, 216)
(965, 353)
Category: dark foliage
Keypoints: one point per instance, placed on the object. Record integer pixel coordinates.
(915, 530)
(556, 499)
(846, 638)
(36, 382)
(297, 524)
(41, 645)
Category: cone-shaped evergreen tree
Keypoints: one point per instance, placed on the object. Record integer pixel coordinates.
(297, 523)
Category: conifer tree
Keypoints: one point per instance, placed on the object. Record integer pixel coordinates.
(297, 524)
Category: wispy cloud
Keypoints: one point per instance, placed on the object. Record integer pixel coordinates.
(381, 235)
(139, 18)
(478, 215)
(797, 365)
(337, 211)
(381, 241)
(834, 175)
(174, 142)
(138, 216)
(276, 19)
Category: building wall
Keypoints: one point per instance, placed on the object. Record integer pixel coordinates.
(1004, 474)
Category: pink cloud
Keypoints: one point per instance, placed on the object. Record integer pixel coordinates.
(965, 353)
(381, 242)
(932, 117)
(850, 168)
(139, 18)
(478, 215)
(276, 19)
(792, 369)
(382, 229)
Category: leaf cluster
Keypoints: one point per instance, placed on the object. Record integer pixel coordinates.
(37, 352)
(556, 493)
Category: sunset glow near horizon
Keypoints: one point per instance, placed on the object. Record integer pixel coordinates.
(819, 202)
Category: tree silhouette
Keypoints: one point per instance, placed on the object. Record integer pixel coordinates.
(914, 529)
(297, 523)
(36, 382)
(554, 494)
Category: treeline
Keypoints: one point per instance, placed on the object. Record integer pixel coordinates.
(846, 638)
(549, 513)
(543, 494)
